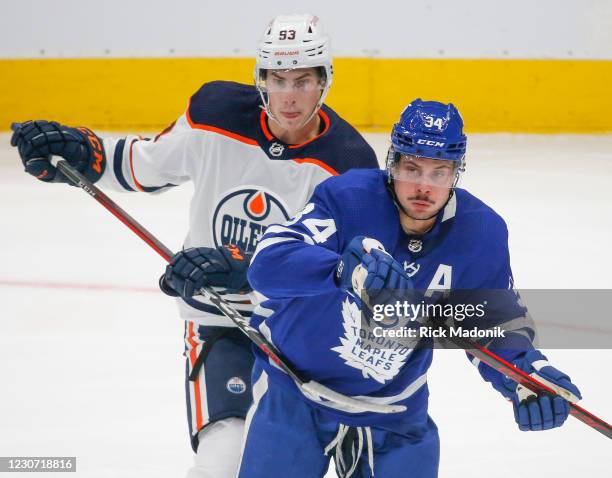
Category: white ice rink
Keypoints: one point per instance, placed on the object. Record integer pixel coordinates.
(90, 350)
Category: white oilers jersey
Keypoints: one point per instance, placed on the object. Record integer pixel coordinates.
(244, 178)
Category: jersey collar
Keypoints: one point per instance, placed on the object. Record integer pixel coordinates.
(269, 136)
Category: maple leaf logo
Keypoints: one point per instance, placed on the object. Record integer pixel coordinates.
(380, 364)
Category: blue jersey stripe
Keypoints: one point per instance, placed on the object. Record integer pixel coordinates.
(118, 165)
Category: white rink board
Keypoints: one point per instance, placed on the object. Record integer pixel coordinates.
(98, 373)
(389, 28)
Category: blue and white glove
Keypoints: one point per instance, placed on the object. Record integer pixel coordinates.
(196, 267)
(366, 271)
(546, 411)
(37, 141)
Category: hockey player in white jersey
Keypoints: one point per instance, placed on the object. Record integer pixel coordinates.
(254, 155)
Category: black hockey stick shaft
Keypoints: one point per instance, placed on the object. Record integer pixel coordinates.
(520, 377)
(311, 389)
(78, 180)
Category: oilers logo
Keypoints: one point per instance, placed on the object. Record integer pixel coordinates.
(236, 385)
(242, 216)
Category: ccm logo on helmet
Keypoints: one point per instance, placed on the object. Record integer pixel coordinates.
(429, 142)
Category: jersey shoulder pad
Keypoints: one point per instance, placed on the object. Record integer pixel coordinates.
(357, 190)
(343, 146)
(478, 219)
(225, 105)
(361, 205)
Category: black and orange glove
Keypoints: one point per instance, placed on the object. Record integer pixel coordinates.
(196, 267)
(38, 140)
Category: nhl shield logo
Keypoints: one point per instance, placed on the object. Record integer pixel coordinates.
(415, 245)
(236, 385)
(276, 149)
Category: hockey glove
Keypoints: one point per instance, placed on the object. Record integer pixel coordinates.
(367, 272)
(37, 141)
(543, 412)
(196, 267)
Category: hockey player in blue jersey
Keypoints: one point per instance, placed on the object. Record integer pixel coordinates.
(310, 273)
(254, 154)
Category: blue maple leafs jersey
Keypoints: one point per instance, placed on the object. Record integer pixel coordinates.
(312, 322)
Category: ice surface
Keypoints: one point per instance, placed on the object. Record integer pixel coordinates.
(90, 351)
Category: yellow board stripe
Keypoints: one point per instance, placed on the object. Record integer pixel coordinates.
(534, 96)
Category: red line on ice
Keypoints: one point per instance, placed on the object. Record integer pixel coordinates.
(75, 286)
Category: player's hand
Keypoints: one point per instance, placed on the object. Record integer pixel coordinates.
(546, 411)
(196, 267)
(37, 141)
(366, 269)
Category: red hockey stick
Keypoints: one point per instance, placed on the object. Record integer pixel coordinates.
(516, 374)
(505, 367)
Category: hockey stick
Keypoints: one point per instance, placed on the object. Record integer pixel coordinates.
(522, 378)
(311, 389)
(498, 363)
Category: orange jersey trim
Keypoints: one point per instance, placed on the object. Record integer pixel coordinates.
(138, 185)
(193, 356)
(264, 125)
(165, 131)
(326, 122)
(223, 132)
(319, 163)
(270, 136)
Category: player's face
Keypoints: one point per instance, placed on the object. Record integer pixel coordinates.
(422, 185)
(293, 95)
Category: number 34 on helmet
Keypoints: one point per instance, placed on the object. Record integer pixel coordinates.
(428, 129)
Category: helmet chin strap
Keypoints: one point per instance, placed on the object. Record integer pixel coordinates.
(314, 112)
(317, 107)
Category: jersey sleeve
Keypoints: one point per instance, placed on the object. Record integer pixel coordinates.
(298, 258)
(152, 165)
(504, 308)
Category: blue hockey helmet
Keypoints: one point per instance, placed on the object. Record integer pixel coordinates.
(428, 129)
